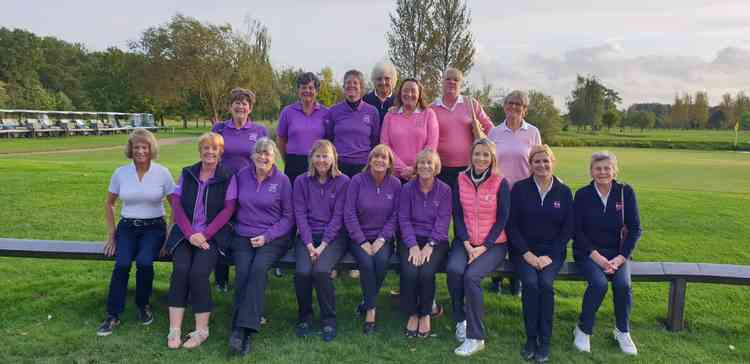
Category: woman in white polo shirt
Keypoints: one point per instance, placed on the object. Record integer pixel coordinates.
(141, 186)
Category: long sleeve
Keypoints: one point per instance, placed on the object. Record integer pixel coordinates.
(517, 240)
(300, 195)
(443, 219)
(408, 237)
(385, 138)
(179, 216)
(484, 120)
(334, 226)
(503, 196)
(581, 242)
(632, 221)
(285, 223)
(566, 232)
(459, 225)
(221, 219)
(389, 229)
(433, 130)
(351, 220)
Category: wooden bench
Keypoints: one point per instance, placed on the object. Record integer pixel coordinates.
(677, 274)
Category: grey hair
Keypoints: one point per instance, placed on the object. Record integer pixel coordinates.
(307, 77)
(358, 75)
(265, 144)
(453, 71)
(384, 69)
(604, 155)
(523, 96)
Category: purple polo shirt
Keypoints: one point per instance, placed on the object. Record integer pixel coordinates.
(353, 132)
(263, 208)
(300, 130)
(371, 211)
(199, 212)
(424, 214)
(319, 207)
(238, 143)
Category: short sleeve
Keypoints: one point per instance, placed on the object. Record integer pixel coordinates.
(114, 182)
(169, 185)
(231, 189)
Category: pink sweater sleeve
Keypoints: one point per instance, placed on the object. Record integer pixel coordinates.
(483, 118)
(385, 138)
(179, 216)
(433, 130)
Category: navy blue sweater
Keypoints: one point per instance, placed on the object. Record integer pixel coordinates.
(599, 229)
(543, 228)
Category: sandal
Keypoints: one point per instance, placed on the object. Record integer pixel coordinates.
(196, 338)
(174, 338)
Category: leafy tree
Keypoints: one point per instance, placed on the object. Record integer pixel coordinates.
(611, 118)
(454, 45)
(745, 120)
(641, 119)
(3, 95)
(589, 100)
(699, 111)
(330, 91)
(544, 115)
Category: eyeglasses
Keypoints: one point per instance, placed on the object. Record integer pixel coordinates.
(515, 103)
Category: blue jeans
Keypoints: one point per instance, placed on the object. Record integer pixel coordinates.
(538, 297)
(597, 289)
(139, 243)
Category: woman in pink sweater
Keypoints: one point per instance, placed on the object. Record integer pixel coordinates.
(409, 128)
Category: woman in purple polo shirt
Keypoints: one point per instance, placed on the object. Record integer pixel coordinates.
(353, 125)
(370, 216)
(319, 197)
(202, 204)
(262, 224)
(424, 216)
(300, 125)
(240, 134)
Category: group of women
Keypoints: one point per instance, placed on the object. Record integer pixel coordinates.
(372, 179)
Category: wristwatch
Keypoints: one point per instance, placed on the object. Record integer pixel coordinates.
(432, 243)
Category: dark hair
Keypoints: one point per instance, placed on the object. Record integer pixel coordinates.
(420, 100)
(307, 77)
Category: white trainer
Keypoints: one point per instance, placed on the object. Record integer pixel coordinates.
(626, 343)
(581, 340)
(461, 331)
(469, 347)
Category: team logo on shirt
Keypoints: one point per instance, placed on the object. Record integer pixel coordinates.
(253, 137)
(333, 196)
(436, 203)
(273, 187)
(389, 196)
(556, 204)
(618, 206)
(366, 119)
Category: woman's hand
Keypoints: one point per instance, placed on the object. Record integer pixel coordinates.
(258, 241)
(312, 252)
(532, 260)
(199, 240)
(617, 261)
(367, 247)
(544, 261)
(427, 253)
(110, 246)
(377, 244)
(415, 255)
(476, 252)
(602, 262)
(319, 250)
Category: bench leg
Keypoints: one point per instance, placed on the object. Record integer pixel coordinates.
(676, 308)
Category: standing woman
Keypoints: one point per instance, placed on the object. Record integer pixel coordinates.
(541, 223)
(481, 205)
(457, 115)
(514, 138)
(141, 186)
(385, 78)
(240, 134)
(353, 126)
(319, 197)
(202, 204)
(607, 227)
(409, 129)
(370, 216)
(262, 225)
(424, 216)
(300, 125)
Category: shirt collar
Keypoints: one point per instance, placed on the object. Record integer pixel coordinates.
(230, 124)
(416, 111)
(504, 126)
(298, 105)
(439, 102)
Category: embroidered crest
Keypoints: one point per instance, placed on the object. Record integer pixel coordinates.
(436, 203)
(389, 196)
(333, 195)
(556, 204)
(253, 137)
(618, 206)
(273, 187)
(366, 119)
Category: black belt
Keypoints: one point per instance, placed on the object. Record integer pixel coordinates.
(142, 222)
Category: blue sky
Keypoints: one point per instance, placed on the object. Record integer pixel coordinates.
(647, 50)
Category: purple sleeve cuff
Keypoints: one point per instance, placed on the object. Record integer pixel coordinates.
(221, 219)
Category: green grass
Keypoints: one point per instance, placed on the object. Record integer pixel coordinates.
(693, 206)
(657, 138)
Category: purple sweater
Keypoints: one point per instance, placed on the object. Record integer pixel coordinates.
(263, 208)
(319, 208)
(353, 132)
(424, 214)
(371, 211)
(238, 143)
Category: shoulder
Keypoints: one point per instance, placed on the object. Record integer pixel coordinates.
(393, 181)
(523, 184)
(300, 180)
(585, 190)
(161, 169)
(429, 113)
(341, 179)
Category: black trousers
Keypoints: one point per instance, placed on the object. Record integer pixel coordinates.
(449, 175)
(417, 284)
(372, 271)
(464, 284)
(350, 169)
(191, 268)
(295, 165)
(252, 265)
(309, 275)
(538, 297)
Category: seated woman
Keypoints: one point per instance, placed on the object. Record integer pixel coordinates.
(541, 223)
(607, 227)
(202, 204)
(370, 216)
(319, 197)
(481, 204)
(424, 216)
(141, 186)
(262, 225)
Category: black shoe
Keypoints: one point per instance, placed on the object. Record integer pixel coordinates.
(529, 349)
(303, 329)
(246, 347)
(328, 334)
(107, 326)
(411, 333)
(360, 310)
(542, 354)
(236, 340)
(145, 315)
(369, 328)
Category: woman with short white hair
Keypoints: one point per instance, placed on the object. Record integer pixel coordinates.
(385, 78)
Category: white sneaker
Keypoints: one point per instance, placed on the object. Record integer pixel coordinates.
(461, 331)
(581, 340)
(626, 343)
(469, 347)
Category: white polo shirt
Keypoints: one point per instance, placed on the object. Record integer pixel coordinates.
(142, 199)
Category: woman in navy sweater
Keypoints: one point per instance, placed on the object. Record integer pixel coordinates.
(541, 223)
(607, 226)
